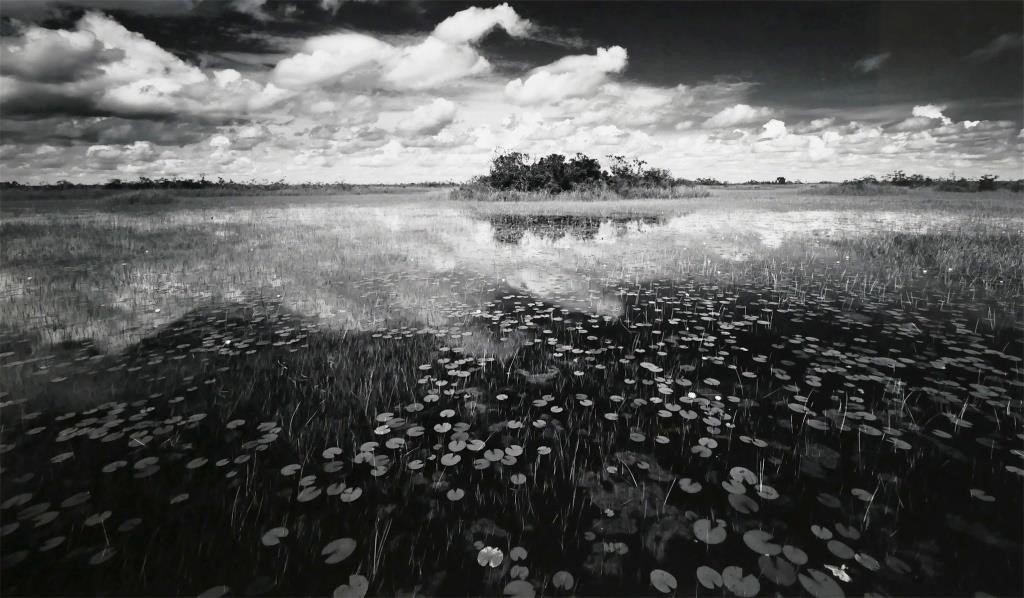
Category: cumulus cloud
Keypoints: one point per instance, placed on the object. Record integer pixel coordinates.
(924, 117)
(220, 142)
(445, 55)
(330, 56)
(473, 23)
(773, 129)
(429, 119)
(872, 63)
(818, 149)
(96, 98)
(433, 62)
(113, 157)
(931, 111)
(738, 114)
(814, 125)
(54, 56)
(103, 68)
(567, 77)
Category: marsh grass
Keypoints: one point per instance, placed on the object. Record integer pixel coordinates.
(141, 198)
(593, 408)
(856, 189)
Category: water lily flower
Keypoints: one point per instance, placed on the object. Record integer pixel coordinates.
(490, 556)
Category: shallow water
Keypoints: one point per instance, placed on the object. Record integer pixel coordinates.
(828, 401)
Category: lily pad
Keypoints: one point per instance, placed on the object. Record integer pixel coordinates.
(355, 588)
(563, 580)
(709, 578)
(739, 584)
(338, 550)
(519, 588)
(663, 581)
(272, 537)
(704, 531)
(758, 541)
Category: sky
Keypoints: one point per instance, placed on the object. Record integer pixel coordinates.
(408, 91)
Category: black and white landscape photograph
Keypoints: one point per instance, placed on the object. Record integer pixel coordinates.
(412, 298)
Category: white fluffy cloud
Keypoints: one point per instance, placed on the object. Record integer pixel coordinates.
(473, 23)
(739, 114)
(53, 56)
(924, 117)
(931, 111)
(113, 157)
(220, 142)
(447, 54)
(773, 129)
(367, 108)
(102, 67)
(434, 62)
(818, 149)
(567, 77)
(429, 119)
(330, 56)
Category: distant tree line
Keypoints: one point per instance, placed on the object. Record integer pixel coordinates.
(781, 180)
(181, 184)
(192, 184)
(899, 178)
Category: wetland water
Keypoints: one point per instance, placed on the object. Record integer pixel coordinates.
(461, 401)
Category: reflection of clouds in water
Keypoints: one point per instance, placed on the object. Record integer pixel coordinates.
(363, 266)
(439, 241)
(773, 228)
(570, 292)
(566, 267)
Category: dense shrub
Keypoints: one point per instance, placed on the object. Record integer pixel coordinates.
(515, 176)
(551, 173)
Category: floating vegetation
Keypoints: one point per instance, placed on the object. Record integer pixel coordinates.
(718, 412)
